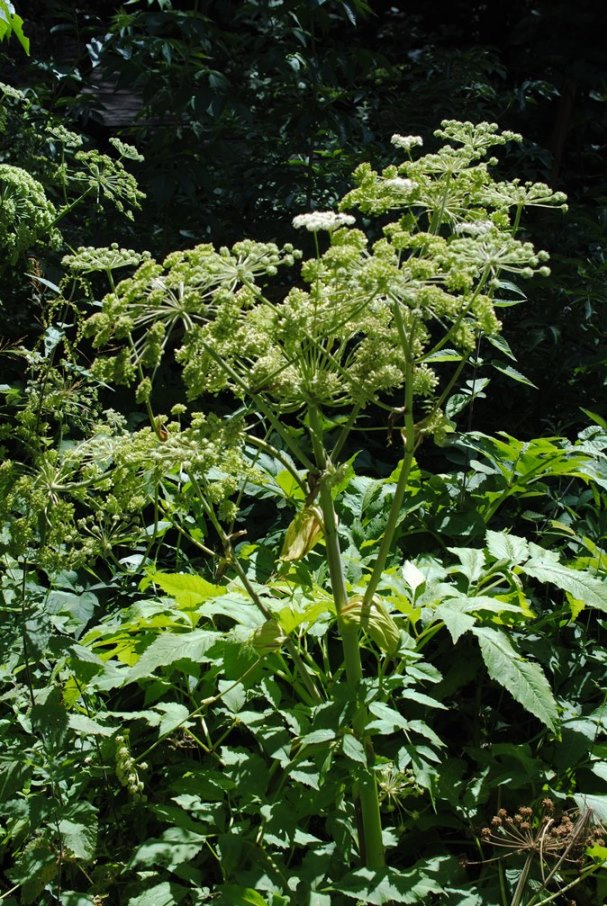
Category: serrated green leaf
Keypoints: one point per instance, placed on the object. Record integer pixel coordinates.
(443, 355)
(389, 886)
(413, 576)
(421, 698)
(79, 831)
(580, 584)
(472, 561)
(353, 748)
(387, 719)
(241, 896)
(500, 343)
(173, 715)
(594, 801)
(455, 619)
(268, 637)
(163, 894)
(288, 485)
(87, 726)
(504, 546)
(524, 680)
(318, 736)
(290, 619)
(511, 372)
(187, 590)
(170, 648)
(176, 846)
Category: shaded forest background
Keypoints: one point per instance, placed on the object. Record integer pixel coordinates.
(250, 112)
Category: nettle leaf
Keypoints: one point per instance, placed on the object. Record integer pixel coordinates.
(87, 726)
(236, 607)
(33, 869)
(187, 590)
(524, 680)
(443, 355)
(170, 648)
(79, 831)
(173, 715)
(511, 372)
(504, 546)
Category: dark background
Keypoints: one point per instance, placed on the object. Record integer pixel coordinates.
(250, 112)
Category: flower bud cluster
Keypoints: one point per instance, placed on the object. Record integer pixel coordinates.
(26, 214)
(127, 770)
(335, 339)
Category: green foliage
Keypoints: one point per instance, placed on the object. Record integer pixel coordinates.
(238, 668)
(12, 24)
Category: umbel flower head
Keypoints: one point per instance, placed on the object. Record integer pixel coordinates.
(322, 220)
(26, 214)
(362, 318)
(543, 832)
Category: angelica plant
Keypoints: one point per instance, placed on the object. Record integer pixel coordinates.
(390, 321)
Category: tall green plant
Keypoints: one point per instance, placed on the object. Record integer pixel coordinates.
(372, 323)
(253, 689)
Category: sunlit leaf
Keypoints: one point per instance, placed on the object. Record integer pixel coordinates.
(524, 680)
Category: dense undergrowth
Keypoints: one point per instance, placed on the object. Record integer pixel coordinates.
(278, 627)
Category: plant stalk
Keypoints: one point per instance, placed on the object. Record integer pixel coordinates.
(403, 478)
(371, 843)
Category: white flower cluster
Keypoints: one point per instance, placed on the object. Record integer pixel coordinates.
(322, 220)
(400, 183)
(476, 228)
(406, 142)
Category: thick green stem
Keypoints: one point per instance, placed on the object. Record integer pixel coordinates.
(70, 207)
(371, 842)
(403, 478)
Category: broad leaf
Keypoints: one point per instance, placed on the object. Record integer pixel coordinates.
(164, 894)
(390, 886)
(170, 648)
(524, 680)
(176, 846)
(583, 586)
(79, 831)
(504, 546)
(188, 590)
(241, 896)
